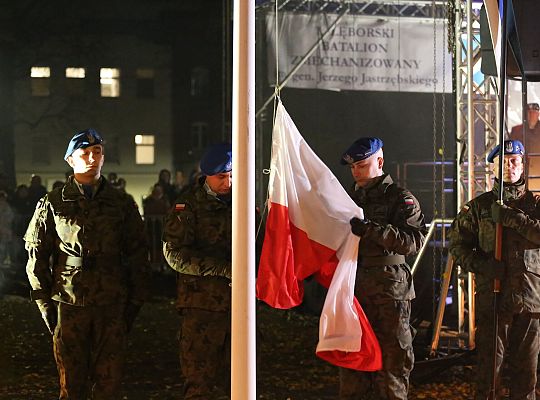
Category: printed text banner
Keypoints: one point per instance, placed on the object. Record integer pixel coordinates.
(362, 53)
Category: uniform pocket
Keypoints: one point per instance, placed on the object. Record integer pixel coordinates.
(531, 259)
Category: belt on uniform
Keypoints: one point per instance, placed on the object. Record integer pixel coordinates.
(71, 261)
(74, 261)
(381, 260)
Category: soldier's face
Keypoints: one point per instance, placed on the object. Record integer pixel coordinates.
(364, 171)
(513, 168)
(532, 115)
(220, 183)
(87, 161)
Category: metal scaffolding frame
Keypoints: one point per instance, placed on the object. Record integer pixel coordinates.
(477, 112)
(477, 109)
(386, 8)
(477, 106)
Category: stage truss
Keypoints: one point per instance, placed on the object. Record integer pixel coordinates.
(476, 100)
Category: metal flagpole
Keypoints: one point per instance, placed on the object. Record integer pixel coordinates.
(499, 227)
(243, 374)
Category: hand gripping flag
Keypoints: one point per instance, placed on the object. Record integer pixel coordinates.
(308, 232)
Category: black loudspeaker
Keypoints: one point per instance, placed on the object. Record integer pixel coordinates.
(527, 16)
(525, 36)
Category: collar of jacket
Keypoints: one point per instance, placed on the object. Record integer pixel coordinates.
(71, 192)
(512, 191)
(376, 185)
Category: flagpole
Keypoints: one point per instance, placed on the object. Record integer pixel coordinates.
(243, 373)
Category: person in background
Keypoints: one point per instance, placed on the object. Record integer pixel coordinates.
(6, 232)
(472, 245)
(88, 270)
(155, 206)
(164, 180)
(530, 137)
(197, 244)
(23, 210)
(36, 190)
(393, 227)
(179, 183)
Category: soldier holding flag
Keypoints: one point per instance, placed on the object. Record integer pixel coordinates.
(472, 244)
(393, 227)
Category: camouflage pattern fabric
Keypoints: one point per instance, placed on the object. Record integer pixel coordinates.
(105, 236)
(520, 334)
(81, 357)
(397, 227)
(205, 356)
(197, 244)
(197, 234)
(107, 231)
(390, 321)
(472, 243)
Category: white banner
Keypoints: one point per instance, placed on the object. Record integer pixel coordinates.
(362, 53)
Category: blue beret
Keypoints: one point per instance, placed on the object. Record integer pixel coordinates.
(86, 138)
(217, 159)
(361, 149)
(510, 147)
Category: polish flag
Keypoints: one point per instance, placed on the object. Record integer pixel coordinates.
(308, 232)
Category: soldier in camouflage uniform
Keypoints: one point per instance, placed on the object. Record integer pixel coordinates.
(392, 228)
(197, 244)
(472, 243)
(88, 268)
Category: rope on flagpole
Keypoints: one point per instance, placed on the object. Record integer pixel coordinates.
(277, 99)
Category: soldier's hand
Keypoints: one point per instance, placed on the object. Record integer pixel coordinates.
(497, 212)
(49, 313)
(359, 226)
(496, 269)
(505, 215)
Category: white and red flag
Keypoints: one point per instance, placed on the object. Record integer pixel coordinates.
(308, 232)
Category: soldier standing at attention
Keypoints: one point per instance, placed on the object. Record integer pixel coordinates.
(88, 268)
(197, 244)
(472, 244)
(392, 228)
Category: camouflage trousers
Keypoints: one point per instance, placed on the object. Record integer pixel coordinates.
(89, 347)
(390, 322)
(518, 345)
(205, 353)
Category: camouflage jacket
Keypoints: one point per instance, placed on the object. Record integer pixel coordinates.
(397, 228)
(472, 243)
(197, 244)
(97, 247)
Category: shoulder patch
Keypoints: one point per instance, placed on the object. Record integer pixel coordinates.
(179, 206)
(409, 201)
(465, 208)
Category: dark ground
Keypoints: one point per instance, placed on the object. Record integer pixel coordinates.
(289, 369)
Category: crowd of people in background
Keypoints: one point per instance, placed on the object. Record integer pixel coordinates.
(18, 204)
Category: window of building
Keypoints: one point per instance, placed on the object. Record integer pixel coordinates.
(41, 81)
(110, 82)
(198, 132)
(75, 72)
(75, 80)
(200, 82)
(145, 82)
(144, 149)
